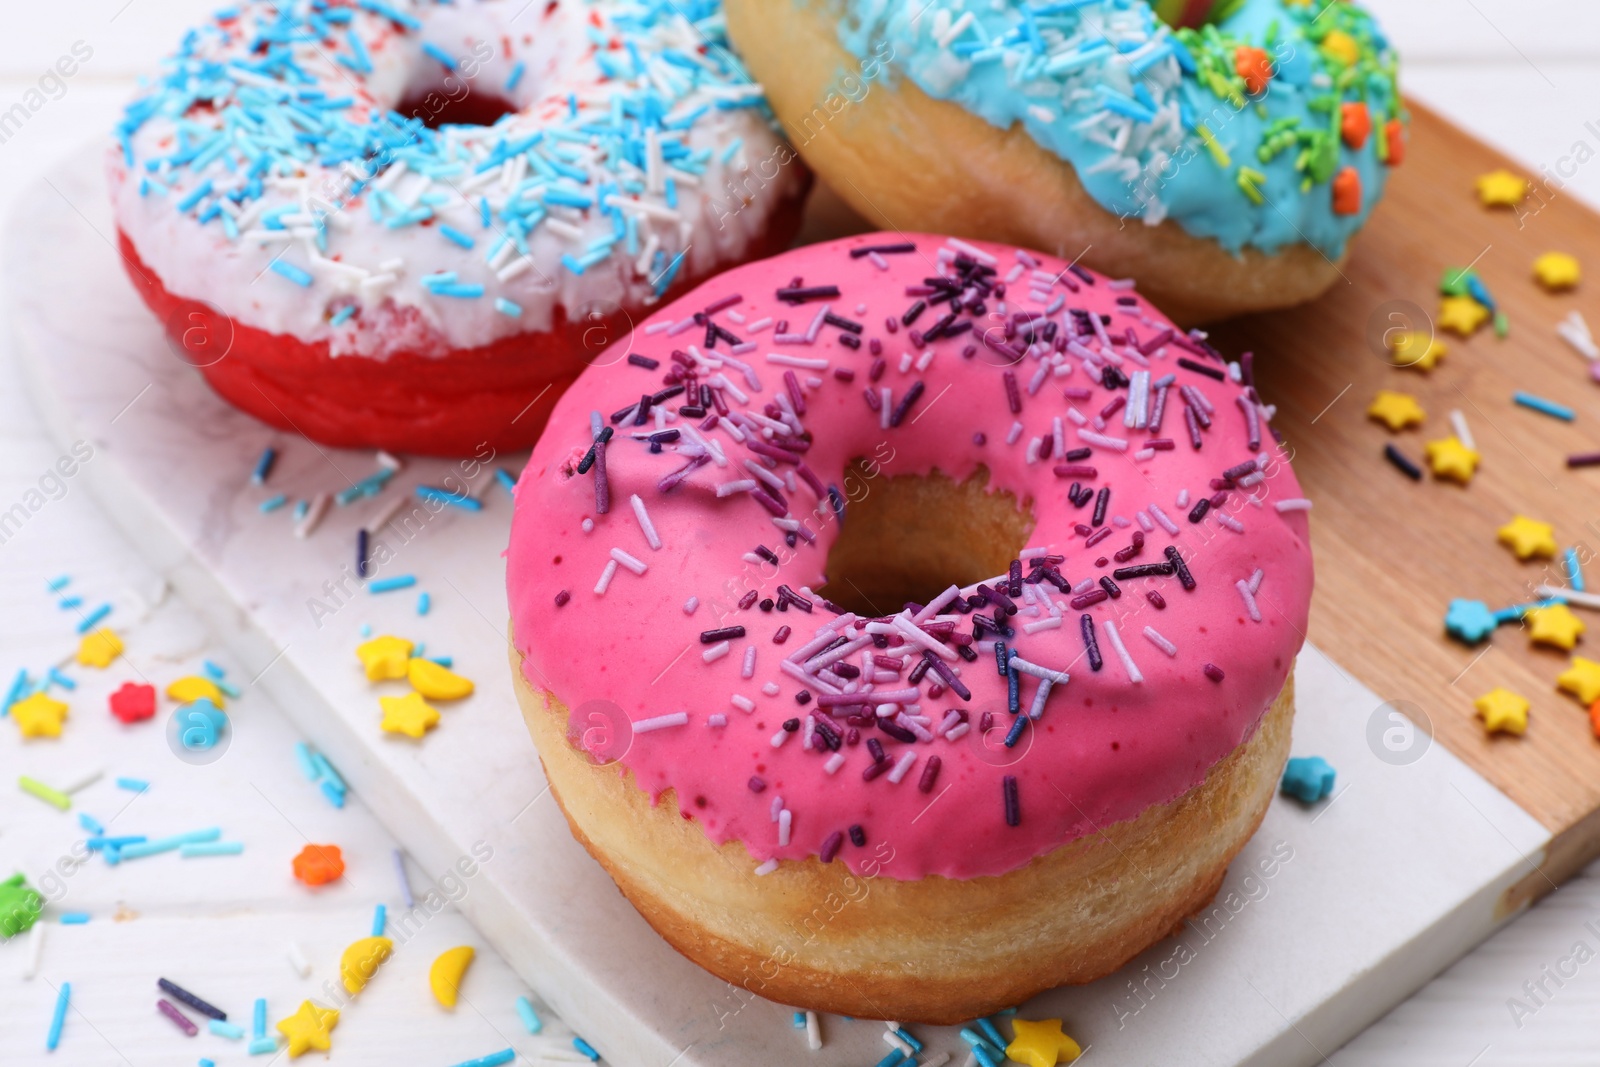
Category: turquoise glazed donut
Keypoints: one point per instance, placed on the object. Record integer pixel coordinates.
(1259, 125)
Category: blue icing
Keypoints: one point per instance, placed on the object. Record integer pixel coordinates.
(1106, 86)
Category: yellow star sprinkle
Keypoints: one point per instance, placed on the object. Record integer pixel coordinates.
(436, 682)
(1449, 458)
(99, 647)
(384, 657)
(1582, 680)
(1462, 314)
(1556, 271)
(1396, 410)
(1555, 625)
(1502, 711)
(39, 716)
(1414, 348)
(192, 687)
(1041, 1044)
(1528, 538)
(409, 715)
(1501, 188)
(309, 1028)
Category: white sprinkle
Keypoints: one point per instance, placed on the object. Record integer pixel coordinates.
(716, 651)
(1042, 673)
(35, 950)
(833, 763)
(1040, 695)
(84, 780)
(890, 1037)
(915, 634)
(796, 361)
(766, 868)
(588, 525)
(1160, 642)
(319, 507)
(902, 765)
(605, 577)
(1463, 433)
(742, 702)
(717, 719)
(649, 528)
(905, 362)
(942, 601)
(1255, 580)
(1581, 599)
(1298, 503)
(1042, 624)
(1249, 599)
(1013, 433)
(924, 360)
(759, 325)
(785, 821)
(813, 1027)
(957, 731)
(1183, 499)
(633, 563)
(1058, 434)
(976, 253)
(780, 737)
(381, 517)
(1032, 453)
(1161, 517)
(1229, 522)
(1116, 444)
(748, 670)
(1115, 639)
(661, 722)
(1145, 522)
(297, 960)
(877, 261)
(885, 406)
(690, 604)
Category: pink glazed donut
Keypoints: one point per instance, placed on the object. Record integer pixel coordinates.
(907, 627)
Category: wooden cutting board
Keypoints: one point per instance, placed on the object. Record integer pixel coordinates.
(1392, 553)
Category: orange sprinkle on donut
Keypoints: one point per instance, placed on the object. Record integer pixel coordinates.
(1347, 192)
(1254, 66)
(1395, 134)
(1355, 123)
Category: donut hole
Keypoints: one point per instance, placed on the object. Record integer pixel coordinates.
(909, 537)
(438, 106)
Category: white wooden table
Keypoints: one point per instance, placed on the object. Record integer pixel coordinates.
(1522, 75)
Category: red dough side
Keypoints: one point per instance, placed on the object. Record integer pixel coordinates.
(498, 394)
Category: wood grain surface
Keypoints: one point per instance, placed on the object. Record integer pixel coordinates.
(1391, 553)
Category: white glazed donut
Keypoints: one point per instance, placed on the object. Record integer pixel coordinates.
(405, 220)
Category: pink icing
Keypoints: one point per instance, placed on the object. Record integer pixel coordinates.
(1103, 750)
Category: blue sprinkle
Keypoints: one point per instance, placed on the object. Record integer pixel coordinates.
(431, 49)
(1546, 407)
(896, 1057)
(397, 17)
(992, 1033)
(1574, 571)
(584, 1047)
(199, 193)
(343, 315)
(133, 785)
(214, 670)
(74, 918)
(799, 1020)
(223, 1028)
(308, 765)
(424, 602)
(507, 482)
(59, 1018)
(456, 235)
(494, 1059)
(90, 823)
(387, 585)
(58, 583)
(507, 307)
(69, 602)
(671, 193)
(516, 75)
(530, 1018)
(273, 503)
(334, 795)
(1307, 778)
(89, 621)
(269, 456)
(380, 918)
(458, 289)
(19, 689)
(292, 272)
(455, 500)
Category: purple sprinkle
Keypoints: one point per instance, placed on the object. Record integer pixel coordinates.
(1076, 470)
(1200, 368)
(930, 775)
(643, 361)
(726, 633)
(1213, 672)
(1184, 577)
(1013, 395)
(873, 401)
(906, 401)
(1008, 791)
(858, 835)
(1198, 512)
(757, 784)
(562, 597)
(795, 396)
(1086, 600)
(831, 846)
(602, 485)
(179, 1020)
(724, 303)
(747, 602)
(800, 295)
(1090, 644)
(1157, 601)
(781, 636)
